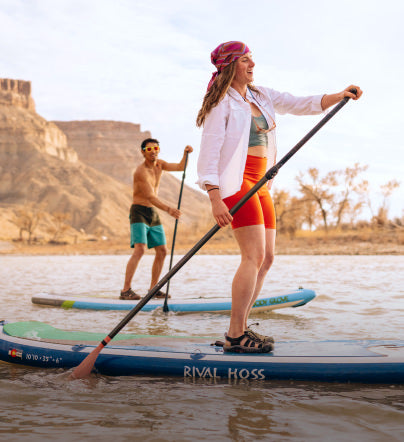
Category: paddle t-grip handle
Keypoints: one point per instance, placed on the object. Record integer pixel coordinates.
(353, 90)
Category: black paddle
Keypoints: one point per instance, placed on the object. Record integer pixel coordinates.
(86, 366)
(165, 306)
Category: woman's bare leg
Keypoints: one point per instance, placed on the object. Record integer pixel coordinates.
(270, 235)
(251, 240)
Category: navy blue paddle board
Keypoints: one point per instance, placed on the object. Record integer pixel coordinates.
(40, 345)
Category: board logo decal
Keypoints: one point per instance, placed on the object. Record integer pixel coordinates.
(211, 372)
(271, 301)
(15, 353)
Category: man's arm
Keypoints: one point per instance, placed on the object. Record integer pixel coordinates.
(177, 167)
(146, 191)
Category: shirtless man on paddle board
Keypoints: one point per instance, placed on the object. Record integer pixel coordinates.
(145, 225)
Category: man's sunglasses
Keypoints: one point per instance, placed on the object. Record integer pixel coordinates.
(150, 148)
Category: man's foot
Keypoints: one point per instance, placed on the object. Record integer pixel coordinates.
(246, 344)
(160, 295)
(129, 295)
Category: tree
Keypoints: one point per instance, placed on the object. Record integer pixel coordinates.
(380, 215)
(317, 189)
(287, 212)
(310, 212)
(59, 225)
(386, 190)
(27, 219)
(280, 199)
(343, 201)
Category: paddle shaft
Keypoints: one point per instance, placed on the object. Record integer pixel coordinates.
(165, 306)
(268, 176)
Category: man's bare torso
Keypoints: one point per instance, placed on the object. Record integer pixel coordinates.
(144, 179)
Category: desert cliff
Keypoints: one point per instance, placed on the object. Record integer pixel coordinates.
(16, 93)
(23, 131)
(113, 148)
(80, 169)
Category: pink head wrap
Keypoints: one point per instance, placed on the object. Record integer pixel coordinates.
(225, 54)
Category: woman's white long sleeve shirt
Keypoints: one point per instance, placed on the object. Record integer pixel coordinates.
(226, 132)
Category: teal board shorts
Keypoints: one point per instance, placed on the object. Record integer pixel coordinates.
(146, 227)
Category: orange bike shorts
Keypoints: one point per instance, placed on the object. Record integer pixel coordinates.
(259, 209)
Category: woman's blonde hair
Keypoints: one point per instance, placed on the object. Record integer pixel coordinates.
(217, 92)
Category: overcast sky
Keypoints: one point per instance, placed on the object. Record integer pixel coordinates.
(148, 62)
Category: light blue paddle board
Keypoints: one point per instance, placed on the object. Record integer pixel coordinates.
(295, 298)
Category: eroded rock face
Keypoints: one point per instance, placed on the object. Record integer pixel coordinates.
(21, 128)
(112, 147)
(80, 168)
(38, 166)
(16, 93)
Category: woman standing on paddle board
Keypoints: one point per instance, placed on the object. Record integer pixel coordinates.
(238, 146)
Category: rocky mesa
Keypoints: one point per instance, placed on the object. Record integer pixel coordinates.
(113, 148)
(82, 169)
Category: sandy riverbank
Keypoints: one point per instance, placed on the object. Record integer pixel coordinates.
(386, 243)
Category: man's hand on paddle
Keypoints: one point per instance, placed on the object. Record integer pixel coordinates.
(175, 213)
(177, 167)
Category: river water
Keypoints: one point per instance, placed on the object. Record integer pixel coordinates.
(358, 297)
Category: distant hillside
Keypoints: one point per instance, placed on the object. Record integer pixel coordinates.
(82, 169)
(113, 147)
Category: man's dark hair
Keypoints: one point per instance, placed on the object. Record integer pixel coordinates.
(148, 140)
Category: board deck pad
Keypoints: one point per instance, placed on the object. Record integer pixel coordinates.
(39, 331)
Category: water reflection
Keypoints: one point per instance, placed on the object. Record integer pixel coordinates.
(201, 409)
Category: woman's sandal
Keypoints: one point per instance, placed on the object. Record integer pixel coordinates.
(250, 345)
(254, 334)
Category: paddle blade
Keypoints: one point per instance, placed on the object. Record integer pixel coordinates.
(85, 368)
